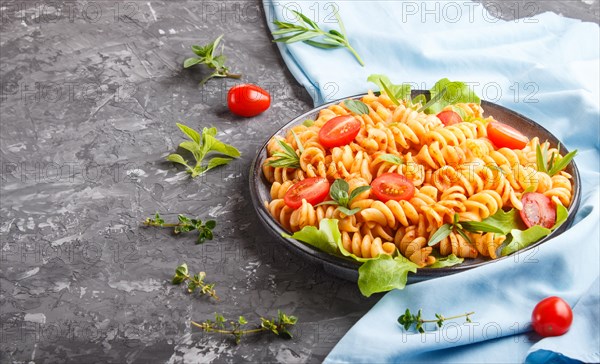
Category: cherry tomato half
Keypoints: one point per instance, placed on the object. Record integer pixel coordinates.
(503, 135)
(552, 316)
(314, 190)
(449, 117)
(248, 100)
(538, 209)
(392, 186)
(339, 131)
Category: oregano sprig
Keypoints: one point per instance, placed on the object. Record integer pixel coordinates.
(408, 319)
(185, 225)
(307, 30)
(339, 193)
(278, 326)
(207, 57)
(195, 282)
(555, 164)
(200, 145)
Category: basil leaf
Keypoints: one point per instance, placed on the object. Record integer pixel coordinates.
(392, 159)
(357, 191)
(347, 211)
(357, 107)
(440, 234)
(300, 147)
(448, 261)
(384, 274)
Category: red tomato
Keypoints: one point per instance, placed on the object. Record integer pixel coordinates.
(392, 186)
(339, 131)
(449, 117)
(314, 190)
(248, 100)
(538, 209)
(503, 135)
(552, 316)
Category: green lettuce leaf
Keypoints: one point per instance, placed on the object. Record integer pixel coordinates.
(456, 92)
(326, 238)
(400, 92)
(505, 220)
(523, 238)
(384, 274)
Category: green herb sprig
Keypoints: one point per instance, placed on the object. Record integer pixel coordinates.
(207, 57)
(391, 158)
(460, 227)
(396, 93)
(356, 106)
(408, 319)
(287, 156)
(185, 225)
(278, 326)
(553, 165)
(339, 192)
(200, 145)
(307, 30)
(195, 282)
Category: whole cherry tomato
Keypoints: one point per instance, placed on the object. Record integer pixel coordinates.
(552, 316)
(248, 100)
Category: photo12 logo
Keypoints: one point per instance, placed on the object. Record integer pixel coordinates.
(38, 13)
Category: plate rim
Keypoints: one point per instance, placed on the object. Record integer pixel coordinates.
(341, 263)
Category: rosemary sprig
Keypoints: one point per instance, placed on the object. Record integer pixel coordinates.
(194, 282)
(308, 29)
(408, 319)
(287, 157)
(555, 164)
(185, 225)
(206, 56)
(278, 326)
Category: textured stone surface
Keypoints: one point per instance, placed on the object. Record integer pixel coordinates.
(91, 92)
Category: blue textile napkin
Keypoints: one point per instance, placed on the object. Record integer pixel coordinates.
(545, 67)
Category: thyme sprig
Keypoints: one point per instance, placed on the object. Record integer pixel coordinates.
(185, 225)
(195, 282)
(408, 319)
(278, 326)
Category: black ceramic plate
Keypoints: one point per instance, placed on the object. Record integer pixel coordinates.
(259, 189)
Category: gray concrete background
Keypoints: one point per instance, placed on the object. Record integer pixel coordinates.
(91, 92)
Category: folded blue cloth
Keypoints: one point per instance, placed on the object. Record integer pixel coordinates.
(545, 67)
